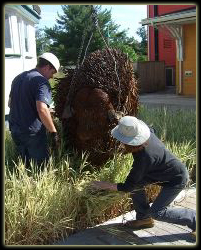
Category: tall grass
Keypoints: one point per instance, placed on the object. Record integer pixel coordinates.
(43, 207)
(46, 206)
(33, 206)
(10, 150)
(171, 125)
(176, 128)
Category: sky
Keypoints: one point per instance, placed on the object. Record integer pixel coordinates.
(127, 16)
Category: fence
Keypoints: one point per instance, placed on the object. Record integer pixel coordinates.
(151, 76)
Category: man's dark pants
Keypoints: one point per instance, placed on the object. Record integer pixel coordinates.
(32, 147)
(160, 210)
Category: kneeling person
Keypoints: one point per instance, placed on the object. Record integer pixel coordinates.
(153, 162)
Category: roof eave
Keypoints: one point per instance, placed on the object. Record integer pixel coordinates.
(24, 12)
(174, 18)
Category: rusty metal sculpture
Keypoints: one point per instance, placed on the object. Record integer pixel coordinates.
(103, 87)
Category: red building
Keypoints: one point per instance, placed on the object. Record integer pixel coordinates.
(167, 28)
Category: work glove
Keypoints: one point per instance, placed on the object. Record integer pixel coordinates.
(55, 140)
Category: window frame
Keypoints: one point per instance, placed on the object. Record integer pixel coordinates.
(9, 50)
(26, 38)
(30, 52)
(14, 34)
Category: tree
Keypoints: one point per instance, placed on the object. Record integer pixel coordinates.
(129, 46)
(77, 21)
(143, 44)
(42, 42)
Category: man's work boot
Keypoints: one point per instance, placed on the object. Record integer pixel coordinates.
(140, 224)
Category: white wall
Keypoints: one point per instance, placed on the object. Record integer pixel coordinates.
(13, 67)
(17, 59)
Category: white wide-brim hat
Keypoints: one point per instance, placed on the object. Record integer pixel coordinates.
(131, 131)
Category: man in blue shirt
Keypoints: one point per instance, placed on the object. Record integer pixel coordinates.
(152, 163)
(29, 116)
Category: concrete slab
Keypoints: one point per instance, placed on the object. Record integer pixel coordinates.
(113, 232)
(167, 100)
(92, 236)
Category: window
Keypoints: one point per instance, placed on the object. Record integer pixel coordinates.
(7, 32)
(156, 44)
(29, 39)
(19, 28)
(26, 37)
(12, 45)
(155, 10)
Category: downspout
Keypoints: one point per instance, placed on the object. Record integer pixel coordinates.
(180, 66)
(180, 57)
(180, 88)
(148, 35)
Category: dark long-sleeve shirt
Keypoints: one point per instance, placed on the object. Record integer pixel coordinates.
(155, 163)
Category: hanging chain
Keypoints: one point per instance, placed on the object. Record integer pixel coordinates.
(67, 110)
(95, 20)
(87, 48)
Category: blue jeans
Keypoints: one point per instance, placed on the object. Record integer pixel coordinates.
(31, 147)
(160, 210)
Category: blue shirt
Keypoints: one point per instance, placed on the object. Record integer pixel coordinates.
(26, 89)
(155, 163)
